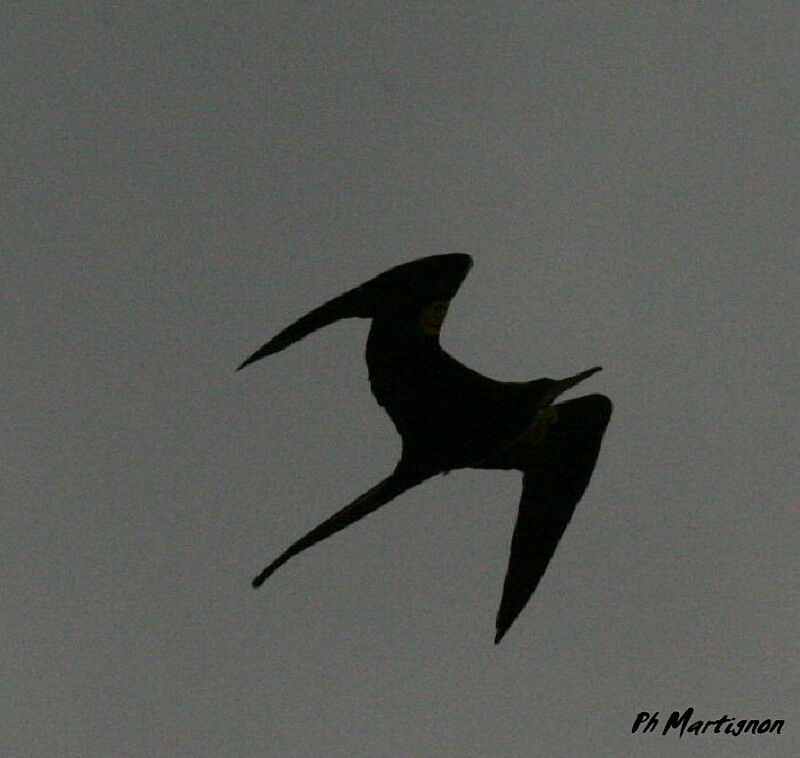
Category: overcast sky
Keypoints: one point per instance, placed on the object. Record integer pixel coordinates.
(182, 180)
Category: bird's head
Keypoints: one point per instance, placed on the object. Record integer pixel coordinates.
(547, 390)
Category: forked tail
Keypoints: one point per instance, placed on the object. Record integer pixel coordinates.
(394, 484)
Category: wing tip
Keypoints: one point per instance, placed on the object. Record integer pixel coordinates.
(262, 352)
(246, 362)
(501, 627)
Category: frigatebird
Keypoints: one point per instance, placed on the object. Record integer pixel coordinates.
(451, 417)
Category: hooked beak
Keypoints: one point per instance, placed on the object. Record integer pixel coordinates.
(563, 385)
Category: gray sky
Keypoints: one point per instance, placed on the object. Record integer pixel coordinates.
(183, 180)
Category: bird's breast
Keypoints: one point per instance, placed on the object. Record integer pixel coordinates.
(443, 410)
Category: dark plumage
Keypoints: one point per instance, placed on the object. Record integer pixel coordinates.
(451, 417)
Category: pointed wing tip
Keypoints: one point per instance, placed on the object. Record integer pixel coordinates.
(499, 636)
(258, 355)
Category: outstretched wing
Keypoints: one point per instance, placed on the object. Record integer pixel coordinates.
(562, 458)
(425, 285)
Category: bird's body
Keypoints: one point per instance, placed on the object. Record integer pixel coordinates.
(452, 417)
(446, 414)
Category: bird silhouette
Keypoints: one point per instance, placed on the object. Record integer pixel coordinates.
(451, 417)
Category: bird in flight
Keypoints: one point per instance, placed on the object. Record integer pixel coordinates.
(451, 417)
